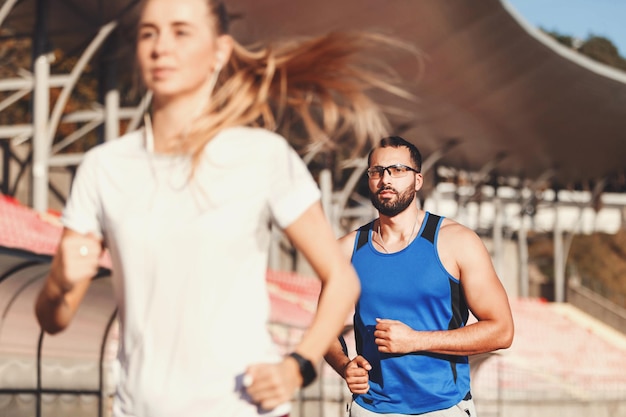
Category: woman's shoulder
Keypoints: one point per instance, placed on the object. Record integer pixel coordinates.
(249, 135)
(245, 143)
(124, 145)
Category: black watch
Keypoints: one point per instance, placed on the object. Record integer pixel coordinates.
(307, 370)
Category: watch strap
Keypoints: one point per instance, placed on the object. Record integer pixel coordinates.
(307, 370)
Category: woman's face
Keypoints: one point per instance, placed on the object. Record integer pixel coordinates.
(176, 47)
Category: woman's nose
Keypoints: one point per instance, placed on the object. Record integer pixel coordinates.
(162, 44)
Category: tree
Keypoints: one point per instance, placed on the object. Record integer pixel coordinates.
(602, 50)
(596, 47)
(16, 56)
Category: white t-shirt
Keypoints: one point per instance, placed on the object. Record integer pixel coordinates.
(189, 263)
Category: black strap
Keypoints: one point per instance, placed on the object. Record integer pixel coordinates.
(431, 227)
(362, 235)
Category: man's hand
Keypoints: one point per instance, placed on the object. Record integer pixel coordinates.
(393, 336)
(356, 375)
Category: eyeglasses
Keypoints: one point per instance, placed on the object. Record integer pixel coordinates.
(395, 171)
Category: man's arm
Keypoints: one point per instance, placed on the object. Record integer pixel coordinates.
(464, 256)
(337, 357)
(355, 372)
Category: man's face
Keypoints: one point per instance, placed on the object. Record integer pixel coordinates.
(389, 195)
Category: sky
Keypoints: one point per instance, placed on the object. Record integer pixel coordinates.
(578, 18)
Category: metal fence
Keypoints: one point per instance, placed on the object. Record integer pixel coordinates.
(502, 386)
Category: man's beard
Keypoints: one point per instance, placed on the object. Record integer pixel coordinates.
(392, 208)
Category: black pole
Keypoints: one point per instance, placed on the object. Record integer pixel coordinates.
(6, 161)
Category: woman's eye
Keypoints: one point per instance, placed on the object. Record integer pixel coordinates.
(146, 34)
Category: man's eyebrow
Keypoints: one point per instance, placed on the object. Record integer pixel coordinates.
(174, 24)
(181, 23)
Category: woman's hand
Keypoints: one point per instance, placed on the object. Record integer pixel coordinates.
(75, 263)
(77, 259)
(270, 385)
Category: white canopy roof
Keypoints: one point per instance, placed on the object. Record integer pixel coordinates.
(505, 92)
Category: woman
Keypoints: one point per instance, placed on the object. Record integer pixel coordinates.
(184, 205)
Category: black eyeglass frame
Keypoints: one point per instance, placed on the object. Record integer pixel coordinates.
(379, 170)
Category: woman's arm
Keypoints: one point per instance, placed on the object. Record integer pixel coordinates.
(74, 264)
(312, 235)
(272, 385)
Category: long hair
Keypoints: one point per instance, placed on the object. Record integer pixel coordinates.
(319, 85)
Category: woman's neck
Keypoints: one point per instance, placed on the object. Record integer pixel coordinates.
(170, 123)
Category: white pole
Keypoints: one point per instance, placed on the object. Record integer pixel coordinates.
(497, 235)
(559, 273)
(522, 243)
(41, 145)
(111, 115)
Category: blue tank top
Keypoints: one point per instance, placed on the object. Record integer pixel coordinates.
(411, 286)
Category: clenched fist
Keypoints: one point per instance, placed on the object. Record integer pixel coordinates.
(78, 257)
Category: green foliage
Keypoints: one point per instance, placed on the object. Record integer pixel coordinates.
(14, 55)
(541, 253)
(599, 259)
(596, 47)
(16, 58)
(561, 38)
(602, 50)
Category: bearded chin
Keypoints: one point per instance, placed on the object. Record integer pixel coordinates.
(391, 209)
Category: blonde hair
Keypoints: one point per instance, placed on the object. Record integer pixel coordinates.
(318, 85)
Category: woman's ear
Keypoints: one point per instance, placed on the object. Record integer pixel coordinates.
(224, 48)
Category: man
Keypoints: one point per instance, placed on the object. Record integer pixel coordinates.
(420, 276)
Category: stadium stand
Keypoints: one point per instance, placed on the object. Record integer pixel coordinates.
(561, 358)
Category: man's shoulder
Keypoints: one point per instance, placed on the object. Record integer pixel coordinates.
(347, 241)
(449, 225)
(455, 233)
(350, 236)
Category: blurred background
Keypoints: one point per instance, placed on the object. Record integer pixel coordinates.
(520, 114)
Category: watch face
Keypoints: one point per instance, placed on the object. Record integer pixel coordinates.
(307, 370)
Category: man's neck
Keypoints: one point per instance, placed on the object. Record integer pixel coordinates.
(396, 232)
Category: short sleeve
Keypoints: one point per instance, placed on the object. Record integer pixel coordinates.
(82, 212)
(292, 190)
